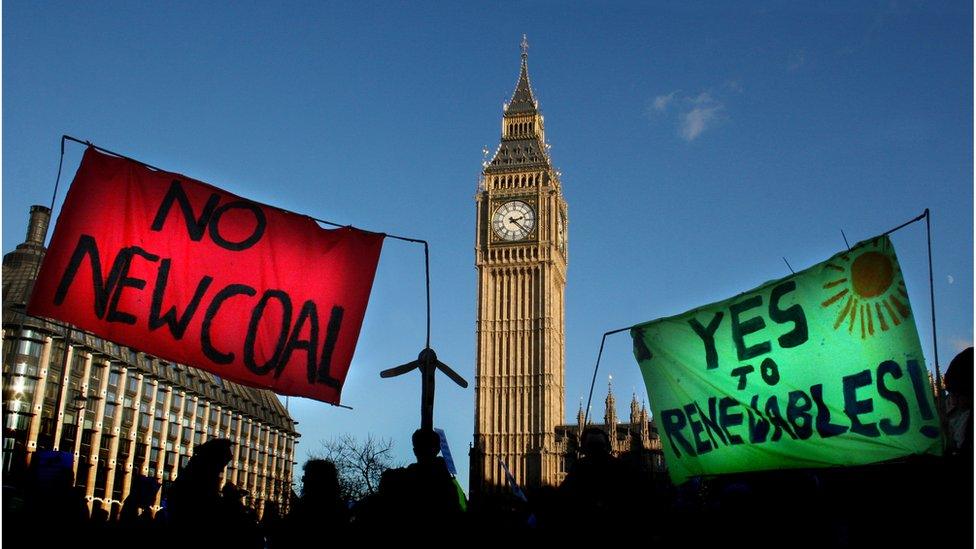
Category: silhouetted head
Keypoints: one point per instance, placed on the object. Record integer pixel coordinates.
(231, 492)
(959, 376)
(320, 478)
(212, 456)
(595, 443)
(426, 445)
(99, 515)
(202, 473)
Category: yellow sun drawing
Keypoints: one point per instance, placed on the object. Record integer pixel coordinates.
(869, 288)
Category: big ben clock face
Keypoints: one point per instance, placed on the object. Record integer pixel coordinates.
(513, 221)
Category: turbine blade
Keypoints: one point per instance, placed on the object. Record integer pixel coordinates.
(400, 370)
(452, 374)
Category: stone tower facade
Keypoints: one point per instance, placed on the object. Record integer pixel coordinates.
(521, 257)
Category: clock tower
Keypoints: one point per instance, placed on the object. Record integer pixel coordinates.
(521, 255)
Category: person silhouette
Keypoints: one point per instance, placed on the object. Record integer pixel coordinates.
(958, 485)
(320, 512)
(959, 384)
(423, 491)
(137, 510)
(195, 505)
(596, 486)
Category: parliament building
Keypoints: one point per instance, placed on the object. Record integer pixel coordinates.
(116, 412)
(521, 255)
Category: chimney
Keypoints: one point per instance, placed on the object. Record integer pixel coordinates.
(40, 218)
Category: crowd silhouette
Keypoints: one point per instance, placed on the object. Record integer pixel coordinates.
(920, 499)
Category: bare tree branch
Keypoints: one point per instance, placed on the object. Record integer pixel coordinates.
(359, 464)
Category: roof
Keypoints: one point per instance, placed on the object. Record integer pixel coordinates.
(517, 154)
(525, 151)
(523, 102)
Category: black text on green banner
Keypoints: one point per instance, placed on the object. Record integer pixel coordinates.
(818, 369)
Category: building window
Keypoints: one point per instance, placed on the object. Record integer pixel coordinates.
(95, 376)
(29, 348)
(17, 422)
(100, 477)
(51, 389)
(127, 415)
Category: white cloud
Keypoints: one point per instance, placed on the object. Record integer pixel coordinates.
(950, 279)
(693, 113)
(697, 120)
(661, 102)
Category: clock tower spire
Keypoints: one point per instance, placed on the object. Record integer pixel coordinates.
(521, 258)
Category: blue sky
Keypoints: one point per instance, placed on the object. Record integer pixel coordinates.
(698, 145)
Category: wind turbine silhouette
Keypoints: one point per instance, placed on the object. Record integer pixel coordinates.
(427, 363)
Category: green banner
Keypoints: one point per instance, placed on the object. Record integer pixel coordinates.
(821, 368)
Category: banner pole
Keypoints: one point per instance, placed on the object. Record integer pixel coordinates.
(37, 266)
(935, 341)
(586, 413)
(427, 277)
(57, 181)
(907, 223)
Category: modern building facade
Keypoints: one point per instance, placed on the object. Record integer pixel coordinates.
(121, 412)
(521, 257)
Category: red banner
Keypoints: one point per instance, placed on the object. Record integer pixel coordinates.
(187, 272)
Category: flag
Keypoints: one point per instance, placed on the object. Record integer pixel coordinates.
(516, 490)
(446, 452)
(821, 368)
(192, 274)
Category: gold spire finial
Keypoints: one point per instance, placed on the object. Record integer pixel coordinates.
(525, 46)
